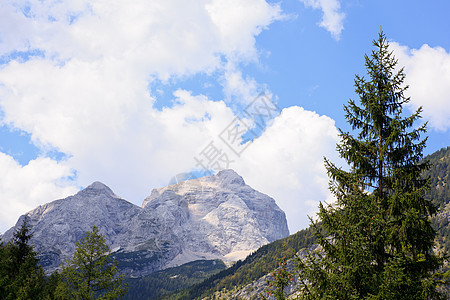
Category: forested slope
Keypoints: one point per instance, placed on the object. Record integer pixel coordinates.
(171, 280)
(440, 195)
(255, 266)
(265, 259)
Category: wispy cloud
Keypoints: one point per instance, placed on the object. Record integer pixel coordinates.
(332, 18)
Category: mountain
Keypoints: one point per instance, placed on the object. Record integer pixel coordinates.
(164, 282)
(213, 217)
(58, 225)
(439, 174)
(248, 279)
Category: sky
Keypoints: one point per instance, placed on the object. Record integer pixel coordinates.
(134, 93)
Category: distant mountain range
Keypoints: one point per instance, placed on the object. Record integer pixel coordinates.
(213, 217)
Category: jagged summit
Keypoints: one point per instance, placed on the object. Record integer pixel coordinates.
(225, 179)
(97, 188)
(229, 176)
(216, 216)
(97, 185)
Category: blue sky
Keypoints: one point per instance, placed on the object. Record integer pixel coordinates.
(134, 94)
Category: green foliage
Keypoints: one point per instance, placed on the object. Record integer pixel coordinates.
(49, 289)
(265, 259)
(20, 275)
(90, 273)
(377, 238)
(281, 278)
(4, 276)
(439, 175)
(167, 281)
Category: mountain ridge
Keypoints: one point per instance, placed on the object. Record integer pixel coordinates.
(213, 217)
(248, 279)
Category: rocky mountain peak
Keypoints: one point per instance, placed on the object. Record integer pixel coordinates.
(95, 189)
(223, 180)
(216, 216)
(230, 177)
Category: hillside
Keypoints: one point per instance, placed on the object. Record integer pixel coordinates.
(194, 280)
(439, 174)
(255, 266)
(266, 258)
(170, 280)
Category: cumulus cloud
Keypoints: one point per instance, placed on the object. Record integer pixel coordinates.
(290, 155)
(332, 19)
(236, 87)
(22, 188)
(428, 75)
(239, 22)
(86, 94)
(162, 38)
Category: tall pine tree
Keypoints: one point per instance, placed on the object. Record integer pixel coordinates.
(21, 275)
(91, 273)
(376, 239)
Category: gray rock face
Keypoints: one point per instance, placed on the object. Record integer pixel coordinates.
(217, 216)
(58, 225)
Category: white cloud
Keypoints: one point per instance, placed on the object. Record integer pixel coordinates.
(287, 163)
(428, 75)
(238, 22)
(161, 38)
(88, 97)
(236, 87)
(24, 188)
(332, 19)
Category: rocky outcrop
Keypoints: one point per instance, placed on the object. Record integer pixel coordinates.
(259, 289)
(217, 216)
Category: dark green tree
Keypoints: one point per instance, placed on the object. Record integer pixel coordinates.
(91, 273)
(4, 275)
(376, 239)
(21, 276)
